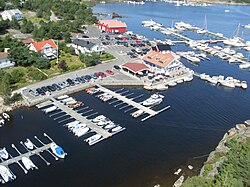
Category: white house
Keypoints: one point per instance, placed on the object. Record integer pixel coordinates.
(48, 48)
(4, 61)
(10, 14)
(84, 46)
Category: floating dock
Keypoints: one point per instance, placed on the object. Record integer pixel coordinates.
(81, 119)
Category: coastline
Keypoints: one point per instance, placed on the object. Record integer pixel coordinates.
(13, 106)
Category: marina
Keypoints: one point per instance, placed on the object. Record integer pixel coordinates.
(25, 158)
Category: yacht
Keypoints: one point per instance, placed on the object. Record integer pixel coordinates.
(6, 174)
(179, 81)
(247, 26)
(99, 118)
(172, 84)
(71, 124)
(236, 42)
(244, 84)
(82, 131)
(213, 80)
(28, 164)
(62, 97)
(57, 150)
(1, 121)
(29, 144)
(109, 126)
(188, 78)
(3, 153)
(227, 83)
(148, 87)
(154, 99)
(161, 87)
(91, 140)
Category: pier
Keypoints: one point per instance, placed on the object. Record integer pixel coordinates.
(80, 118)
(128, 101)
(28, 154)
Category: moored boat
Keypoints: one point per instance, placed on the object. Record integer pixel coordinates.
(29, 144)
(6, 174)
(4, 154)
(57, 150)
(137, 113)
(6, 116)
(91, 140)
(179, 181)
(50, 109)
(116, 129)
(28, 164)
(244, 84)
(153, 100)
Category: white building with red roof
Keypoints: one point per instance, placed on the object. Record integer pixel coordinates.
(113, 26)
(160, 57)
(48, 48)
(135, 68)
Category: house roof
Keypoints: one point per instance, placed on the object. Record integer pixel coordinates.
(83, 43)
(135, 67)
(13, 12)
(28, 41)
(113, 23)
(40, 45)
(161, 59)
(3, 55)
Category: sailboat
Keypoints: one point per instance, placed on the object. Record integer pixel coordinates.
(204, 30)
(236, 41)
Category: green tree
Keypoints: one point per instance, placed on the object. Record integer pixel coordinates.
(62, 65)
(42, 63)
(14, 24)
(5, 84)
(27, 26)
(16, 76)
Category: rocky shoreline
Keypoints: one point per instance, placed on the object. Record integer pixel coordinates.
(240, 133)
(13, 106)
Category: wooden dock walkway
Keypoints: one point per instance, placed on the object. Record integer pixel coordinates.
(28, 154)
(81, 119)
(128, 101)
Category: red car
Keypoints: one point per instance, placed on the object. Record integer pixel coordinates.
(102, 74)
(110, 72)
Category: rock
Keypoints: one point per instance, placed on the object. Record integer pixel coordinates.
(190, 167)
(240, 126)
(231, 132)
(247, 122)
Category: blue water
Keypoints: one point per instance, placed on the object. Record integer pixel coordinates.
(146, 153)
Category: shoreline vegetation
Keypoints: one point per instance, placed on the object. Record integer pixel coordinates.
(229, 164)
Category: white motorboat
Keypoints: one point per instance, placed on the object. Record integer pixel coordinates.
(50, 109)
(99, 118)
(161, 87)
(148, 87)
(244, 84)
(3, 153)
(179, 181)
(244, 66)
(153, 100)
(82, 131)
(73, 123)
(67, 100)
(172, 84)
(107, 98)
(1, 121)
(116, 129)
(227, 83)
(63, 97)
(213, 80)
(6, 116)
(29, 144)
(247, 26)
(179, 81)
(188, 78)
(28, 164)
(57, 150)
(6, 174)
(137, 113)
(109, 126)
(93, 139)
(236, 42)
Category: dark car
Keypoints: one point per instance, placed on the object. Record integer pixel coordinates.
(133, 50)
(44, 89)
(71, 83)
(56, 86)
(130, 53)
(40, 91)
(117, 67)
(133, 56)
(51, 88)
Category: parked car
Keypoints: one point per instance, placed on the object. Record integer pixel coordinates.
(102, 74)
(40, 91)
(110, 72)
(93, 76)
(117, 67)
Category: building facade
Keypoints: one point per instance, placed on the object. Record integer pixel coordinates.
(4, 61)
(83, 46)
(112, 26)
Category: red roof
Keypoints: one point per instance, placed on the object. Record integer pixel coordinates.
(162, 59)
(40, 45)
(113, 23)
(135, 67)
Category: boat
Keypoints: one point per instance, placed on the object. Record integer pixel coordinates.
(57, 150)
(81, 131)
(161, 87)
(99, 118)
(6, 174)
(204, 30)
(227, 83)
(153, 100)
(148, 87)
(247, 26)
(179, 81)
(73, 102)
(50, 109)
(4, 154)
(179, 181)
(109, 126)
(76, 105)
(107, 98)
(91, 140)
(62, 97)
(213, 80)
(244, 84)
(244, 66)
(188, 78)
(73, 123)
(172, 84)
(236, 41)
(137, 113)
(28, 164)
(29, 144)
(116, 129)
(6, 116)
